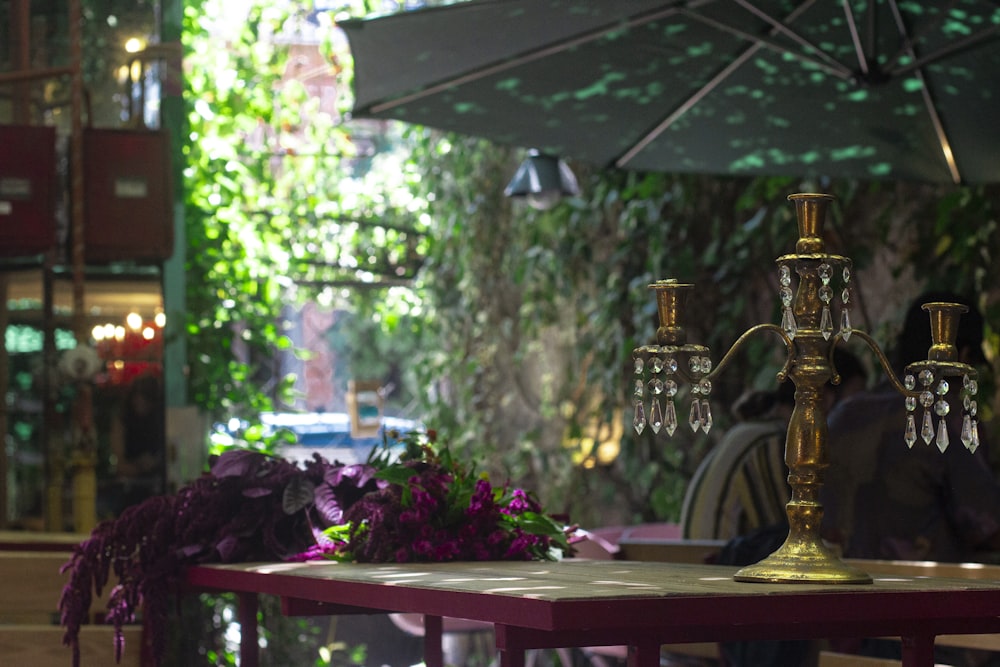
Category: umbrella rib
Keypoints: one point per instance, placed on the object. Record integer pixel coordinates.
(530, 56)
(959, 45)
(942, 136)
(856, 37)
(917, 36)
(686, 106)
(782, 28)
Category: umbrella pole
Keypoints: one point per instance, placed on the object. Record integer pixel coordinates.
(807, 331)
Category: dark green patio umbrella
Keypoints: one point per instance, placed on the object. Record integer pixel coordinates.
(882, 89)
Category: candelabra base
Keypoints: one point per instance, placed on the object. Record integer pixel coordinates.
(802, 562)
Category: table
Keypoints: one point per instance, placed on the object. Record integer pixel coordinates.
(643, 605)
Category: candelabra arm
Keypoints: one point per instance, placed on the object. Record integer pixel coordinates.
(789, 346)
(879, 354)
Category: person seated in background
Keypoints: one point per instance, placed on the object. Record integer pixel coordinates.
(883, 499)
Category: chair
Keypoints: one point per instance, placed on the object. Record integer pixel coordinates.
(740, 486)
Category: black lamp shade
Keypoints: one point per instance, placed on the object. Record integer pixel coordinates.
(542, 180)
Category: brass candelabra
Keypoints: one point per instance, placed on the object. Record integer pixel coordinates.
(807, 279)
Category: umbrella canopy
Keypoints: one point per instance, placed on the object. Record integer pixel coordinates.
(893, 89)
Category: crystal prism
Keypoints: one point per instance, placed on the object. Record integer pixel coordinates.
(655, 416)
(845, 324)
(826, 323)
(975, 437)
(670, 418)
(706, 416)
(639, 421)
(927, 430)
(942, 436)
(910, 435)
(694, 418)
(788, 322)
(966, 435)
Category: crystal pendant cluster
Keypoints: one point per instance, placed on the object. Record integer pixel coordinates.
(825, 270)
(930, 392)
(658, 372)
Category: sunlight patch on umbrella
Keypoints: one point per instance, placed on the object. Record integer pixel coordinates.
(467, 108)
(854, 152)
(698, 50)
(909, 110)
(746, 163)
(599, 87)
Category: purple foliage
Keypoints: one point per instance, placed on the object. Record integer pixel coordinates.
(235, 513)
(254, 507)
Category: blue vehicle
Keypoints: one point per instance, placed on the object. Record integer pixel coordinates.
(329, 435)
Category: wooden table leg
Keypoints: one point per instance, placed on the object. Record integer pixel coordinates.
(644, 655)
(433, 651)
(247, 612)
(918, 651)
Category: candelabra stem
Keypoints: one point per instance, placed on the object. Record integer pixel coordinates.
(804, 557)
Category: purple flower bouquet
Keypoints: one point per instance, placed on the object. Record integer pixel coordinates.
(423, 507)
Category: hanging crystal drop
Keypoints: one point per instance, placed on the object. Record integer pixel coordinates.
(825, 272)
(638, 393)
(926, 377)
(847, 274)
(975, 437)
(706, 416)
(670, 365)
(655, 364)
(785, 293)
(694, 418)
(942, 408)
(942, 387)
(927, 430)
(845, 323)
(784, 275)
(638, 364)
(942, 436)
(911, 403)
(655, 416)
(910, 434)
(909, 381)
(639, 420)
(694, 364)
(826, 323)
(788, 323)
(670, 418)
(966, 435)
